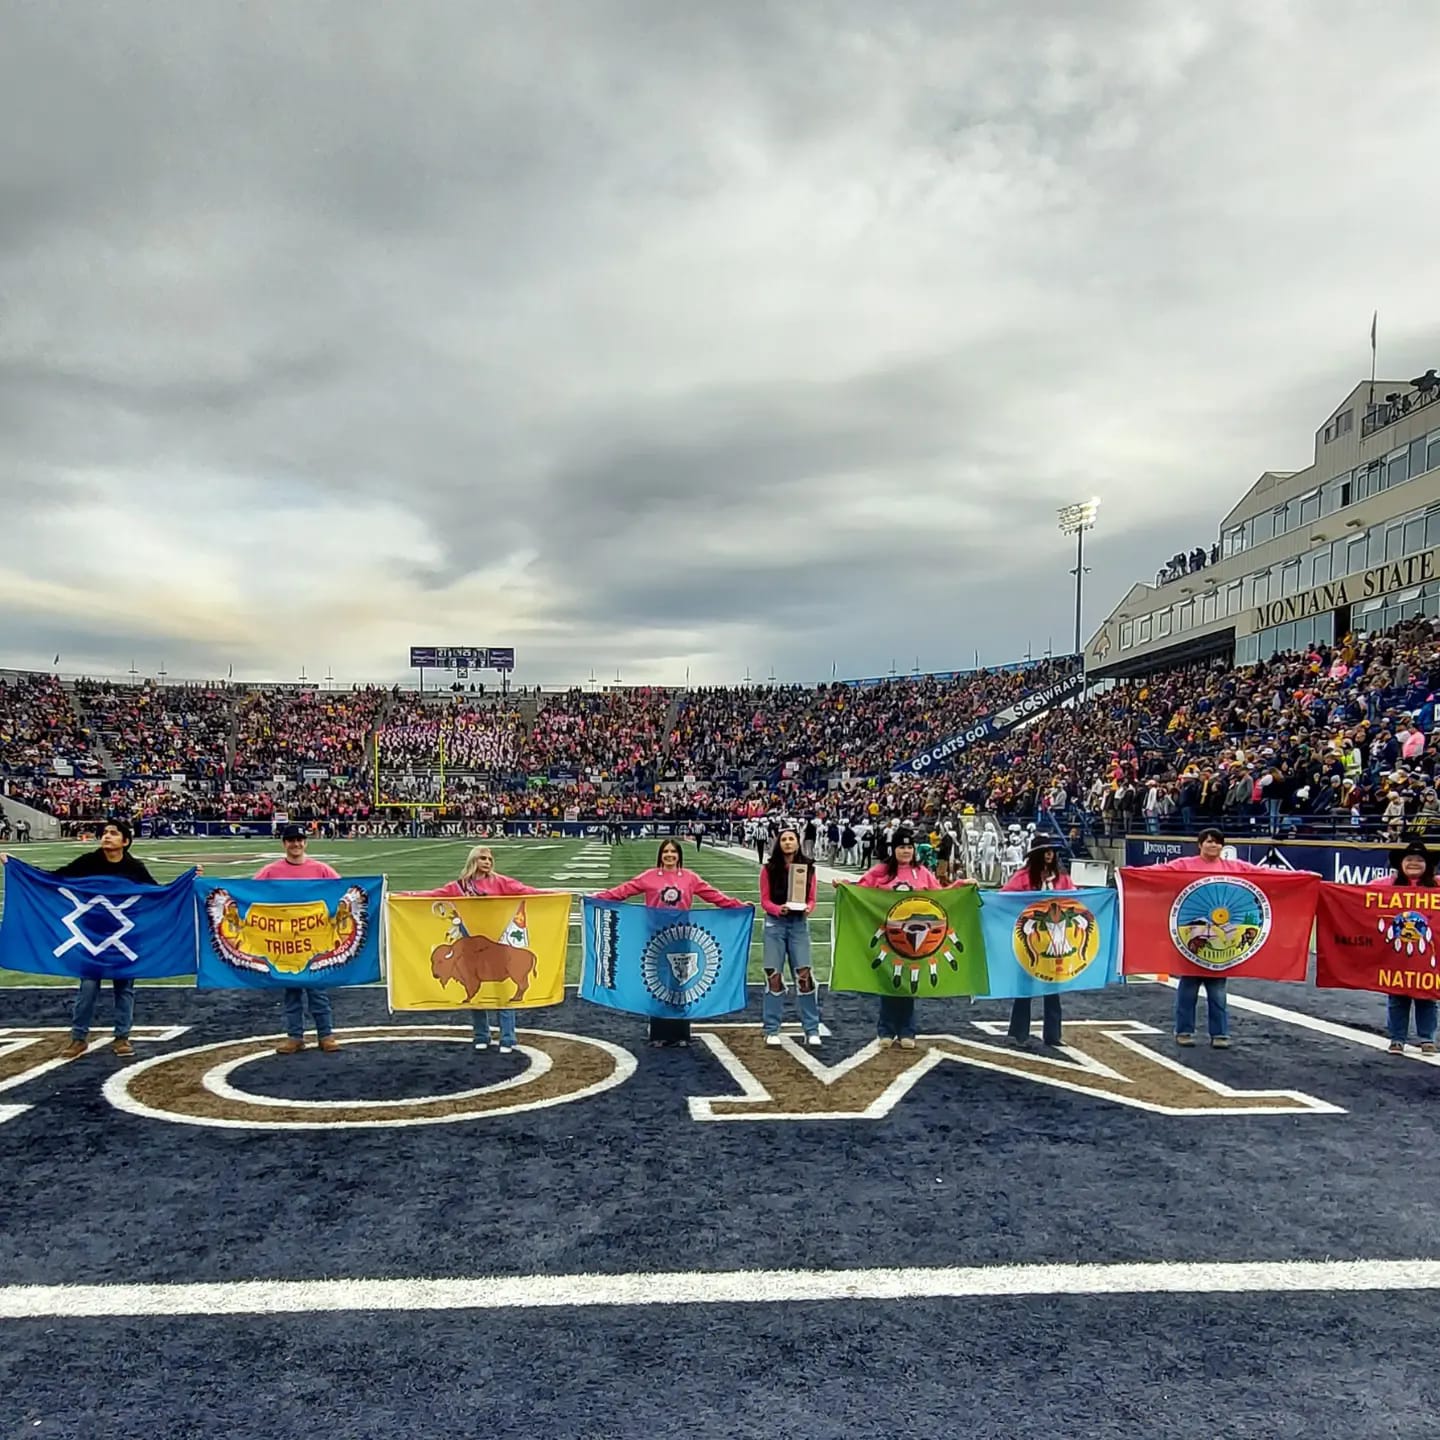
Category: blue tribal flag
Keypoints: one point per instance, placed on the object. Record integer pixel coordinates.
(672, 964)
(262, 933)
(97, 927)
(1047, 942)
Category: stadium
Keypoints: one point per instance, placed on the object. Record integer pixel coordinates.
(465, 1045)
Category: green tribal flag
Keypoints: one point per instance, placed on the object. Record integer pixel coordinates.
(909, 942)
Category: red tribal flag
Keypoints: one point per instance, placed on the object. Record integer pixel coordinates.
(1254, 923)
(1373, 937)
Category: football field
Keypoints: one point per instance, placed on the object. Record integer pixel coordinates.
(591, 1238)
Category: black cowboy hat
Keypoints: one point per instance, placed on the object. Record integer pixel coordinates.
(1415, 846)
(1046, 842)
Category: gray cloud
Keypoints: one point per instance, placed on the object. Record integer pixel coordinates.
(650, 336)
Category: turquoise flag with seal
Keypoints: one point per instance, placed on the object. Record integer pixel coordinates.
(1045, 942)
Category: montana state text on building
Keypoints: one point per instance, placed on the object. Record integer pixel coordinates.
(1351, 543)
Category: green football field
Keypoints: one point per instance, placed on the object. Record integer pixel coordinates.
(578, 865)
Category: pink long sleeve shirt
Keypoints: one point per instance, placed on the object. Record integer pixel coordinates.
(491, 885)
(907, 877)
(307, 869)
(671, 889)
(1021, 881)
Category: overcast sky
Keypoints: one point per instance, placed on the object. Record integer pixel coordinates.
(643, 335)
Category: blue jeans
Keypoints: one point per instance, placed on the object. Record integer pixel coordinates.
(1397, 1019)
(1020, 1013)
(1187, 996)
(320, 1012)
(787, 938)
(89, 993)
(897, 1017)
(505, 1019)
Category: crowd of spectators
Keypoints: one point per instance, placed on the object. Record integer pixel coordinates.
(159, 729)
(39, 726)
(1334, 737)
(280, 732)
(607, 736)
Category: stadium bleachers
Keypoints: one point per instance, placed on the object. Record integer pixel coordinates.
(1338, 733)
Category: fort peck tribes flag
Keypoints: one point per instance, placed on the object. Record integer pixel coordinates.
(1046, 942)
(1197, 922)
(908, 942)
(99, 927)
(310, 933)
(480, 952)
(1378, 938)
(669, 964)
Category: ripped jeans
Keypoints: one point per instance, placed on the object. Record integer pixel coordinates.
(787, 938)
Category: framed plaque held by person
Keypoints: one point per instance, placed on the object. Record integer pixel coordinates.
(799, 898)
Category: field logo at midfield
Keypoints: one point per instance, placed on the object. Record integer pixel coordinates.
(199, 1086)
(1055, 939)
(1220, 921)
(1101, 1058)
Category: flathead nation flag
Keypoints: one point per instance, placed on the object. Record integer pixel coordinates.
(262, 933)
(99, 927)
(908, 942)
(672, 964)
(1046, 942)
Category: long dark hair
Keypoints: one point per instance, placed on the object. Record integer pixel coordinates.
(1035, 865)
(777, 866)
(665, 844)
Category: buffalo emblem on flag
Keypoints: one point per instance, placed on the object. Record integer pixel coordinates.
(1220, 921)
(1055, 939)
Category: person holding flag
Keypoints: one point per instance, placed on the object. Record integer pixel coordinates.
(787, 938)
(112, 857)
(1042, 870)
(1414, 869)
(1209, 860)
(896, 1021)
(478, 877)
(296, 865)
(670, 886)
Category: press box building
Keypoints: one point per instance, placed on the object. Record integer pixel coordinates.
(1352, 543)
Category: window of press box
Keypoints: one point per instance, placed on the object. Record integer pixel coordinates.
(1143, 631)
(1127, 634)
(1164, 622)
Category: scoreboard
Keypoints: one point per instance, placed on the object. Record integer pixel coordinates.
(461, 657)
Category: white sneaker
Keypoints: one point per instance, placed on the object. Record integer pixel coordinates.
(481, 1046)
(813, 1040)
(772, 1040)
(507, 1049)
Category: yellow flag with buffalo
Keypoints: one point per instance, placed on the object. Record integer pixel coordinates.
(487, 952)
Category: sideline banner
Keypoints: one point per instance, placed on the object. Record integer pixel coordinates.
(991, 727)
(908, 942)
(96, 928)
(669, 964)
(481, 952)
(1187, 922)
(1378, 938)
(1048, 942)
(258, 934)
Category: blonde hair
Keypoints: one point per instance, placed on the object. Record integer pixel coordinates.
(472, 861)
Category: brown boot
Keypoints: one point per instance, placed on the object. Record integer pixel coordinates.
(329, 1044)
(289, 1047)
(122, 1047)
(74, 1050)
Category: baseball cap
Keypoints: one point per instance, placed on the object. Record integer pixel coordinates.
(292, 832)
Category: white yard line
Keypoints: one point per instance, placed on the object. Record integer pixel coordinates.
(734, 1287)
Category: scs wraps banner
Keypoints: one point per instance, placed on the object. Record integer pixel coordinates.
(991, 727)
(263, 933)
(478, 952)
(1378, 938)
(1212, 923)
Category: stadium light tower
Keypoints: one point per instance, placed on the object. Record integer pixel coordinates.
(1076, 520)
